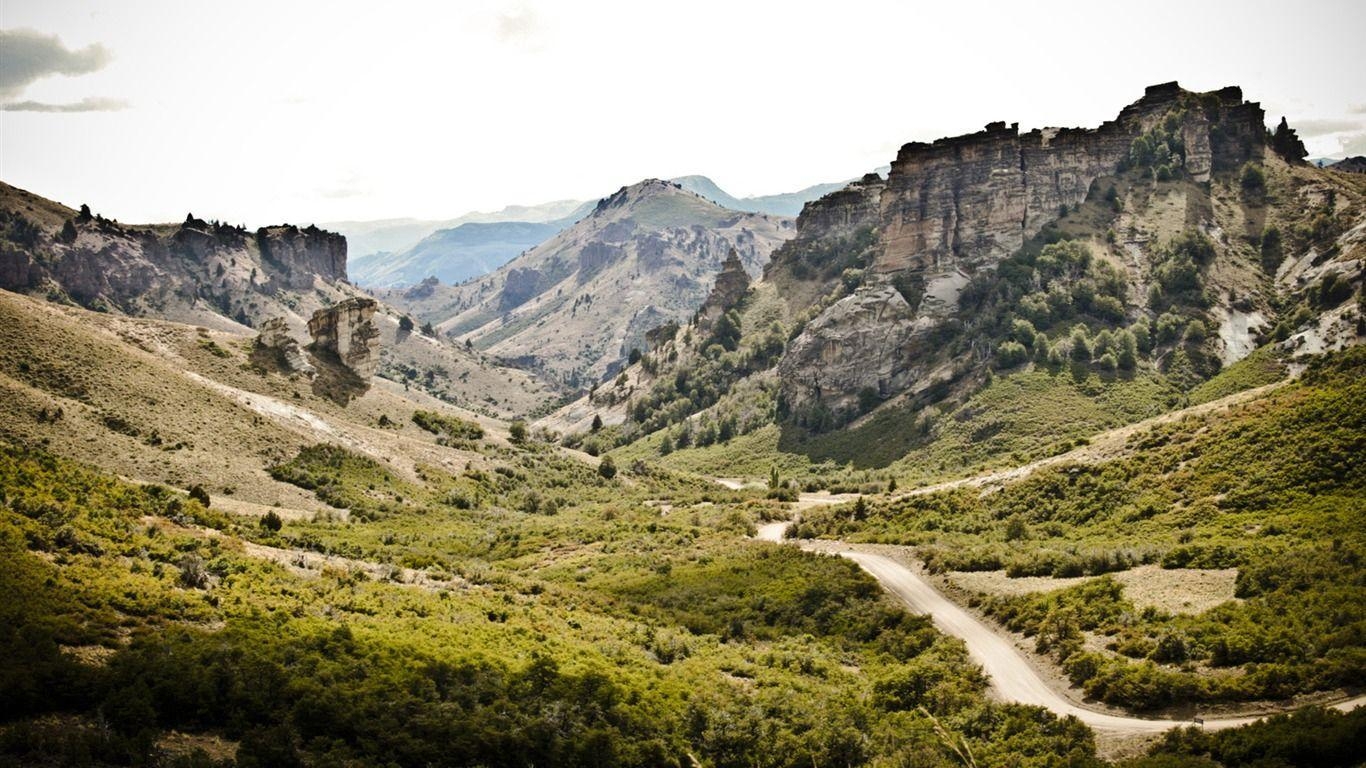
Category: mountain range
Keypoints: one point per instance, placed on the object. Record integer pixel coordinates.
(1024, 452)
(476, 244)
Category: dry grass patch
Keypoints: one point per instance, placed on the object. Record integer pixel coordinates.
(1176, 591)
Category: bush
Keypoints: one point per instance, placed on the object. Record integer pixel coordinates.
(272, 522)
(607, 467)
(1253, 179)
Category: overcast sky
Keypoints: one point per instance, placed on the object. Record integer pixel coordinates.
(260, 112)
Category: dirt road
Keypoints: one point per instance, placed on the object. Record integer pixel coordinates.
(1012, 677)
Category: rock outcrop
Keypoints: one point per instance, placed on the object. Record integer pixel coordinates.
(276, 347)
(345, 334)
(731, 284)
(861, 343)
(959, 206)
(304, 253)
(203, 272)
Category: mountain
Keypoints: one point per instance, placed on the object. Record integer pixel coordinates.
(389, 236)
(1002, 293)
(459, 253)
(784, 204)
(228, 279)
(575, 306)
(1355, 164)
(483, 242)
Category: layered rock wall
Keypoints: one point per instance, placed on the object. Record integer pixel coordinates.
(304, 253)
(346, 331)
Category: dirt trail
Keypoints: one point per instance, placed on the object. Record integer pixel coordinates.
(1012, 677)
(1102, 446)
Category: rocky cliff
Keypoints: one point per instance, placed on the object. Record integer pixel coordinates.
(208, 273)
(951, 211)
(346, 332)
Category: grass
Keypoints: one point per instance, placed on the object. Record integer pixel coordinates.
(1272, 489)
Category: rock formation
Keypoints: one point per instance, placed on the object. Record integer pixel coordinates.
(304, 253)
(959, 206)
(202, 272)
(276, 347)
(731, 284)
(345, 334)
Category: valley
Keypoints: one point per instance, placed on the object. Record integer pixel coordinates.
(1038, 448)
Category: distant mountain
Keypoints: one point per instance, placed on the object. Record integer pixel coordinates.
(575, 306)
(786, 204)
(456, 254)
(391, 236)
(1350, 165)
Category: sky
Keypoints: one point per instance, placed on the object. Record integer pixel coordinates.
(263, 112)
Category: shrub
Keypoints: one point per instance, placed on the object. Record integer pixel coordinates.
(607, 467)
(272, 522)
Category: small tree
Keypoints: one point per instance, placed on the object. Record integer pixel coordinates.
(517, 431)
(272, 522)
(597, 423)
(607, 468)
(428, 330)
(86, 215)
(405, 324)
(68, 232)
(200, 495)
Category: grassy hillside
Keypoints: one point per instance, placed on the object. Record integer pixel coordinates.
(1273, 489)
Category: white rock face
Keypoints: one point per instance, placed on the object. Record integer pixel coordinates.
(346, 331)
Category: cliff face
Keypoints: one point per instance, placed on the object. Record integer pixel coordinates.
(969, 201)
(302, 254)
(202, 272)
(345, 331)
(956, 208)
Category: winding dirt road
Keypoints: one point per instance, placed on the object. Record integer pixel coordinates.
(1012, 677)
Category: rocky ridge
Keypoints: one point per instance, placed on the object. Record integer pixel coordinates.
(954, 209)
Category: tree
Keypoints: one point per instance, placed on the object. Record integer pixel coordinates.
(68, 232)
(86, 215)
(428, 330)
(200, 495)
(597, 423)
(634, 357)
(272, 522)
(1081, 345)
(607, 468)
(517, 431)
(405, 324)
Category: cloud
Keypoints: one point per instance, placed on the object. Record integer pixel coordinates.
(88, 104)
(1326, 126)
(27, 55)
(521, 27)
(1354, 144)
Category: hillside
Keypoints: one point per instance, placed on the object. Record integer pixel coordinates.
(574, 307)
(964, 313)
(226, 279)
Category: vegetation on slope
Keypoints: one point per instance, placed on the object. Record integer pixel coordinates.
(1274, 490)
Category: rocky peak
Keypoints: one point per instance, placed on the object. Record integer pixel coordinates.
(732, 282)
